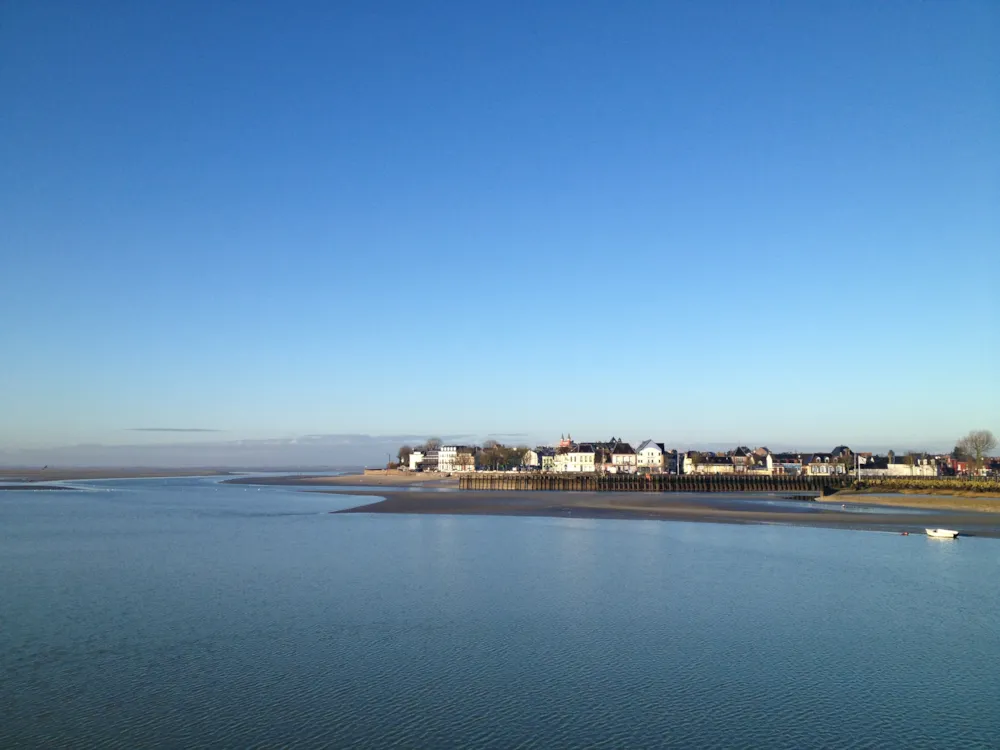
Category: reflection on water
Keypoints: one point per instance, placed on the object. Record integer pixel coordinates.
(187, 612)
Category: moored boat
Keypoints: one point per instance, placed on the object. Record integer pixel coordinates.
(942, 533)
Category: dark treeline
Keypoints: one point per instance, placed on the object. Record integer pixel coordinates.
(491, 455)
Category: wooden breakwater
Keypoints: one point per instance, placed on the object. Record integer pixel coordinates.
(651, 482)
(722, 483)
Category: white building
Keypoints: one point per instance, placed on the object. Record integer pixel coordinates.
(881, 467)
(623, 459)
(415, 458)
(823, 465)
(875, 466)
(715, 465)
(823, 469)
(446, 457)
(579, 459)
(916, 470)
(456, 458)
(649, 457)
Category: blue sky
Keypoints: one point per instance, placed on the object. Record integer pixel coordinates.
(764, 222)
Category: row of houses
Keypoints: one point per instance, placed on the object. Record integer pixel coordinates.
(617, 456)
(652, 457)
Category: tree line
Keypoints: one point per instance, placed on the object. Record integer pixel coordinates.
(974, 447)
(490, 455)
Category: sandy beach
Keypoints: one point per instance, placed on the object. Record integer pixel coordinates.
(678, 507)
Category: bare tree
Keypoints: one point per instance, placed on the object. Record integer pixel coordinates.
(976, 445)
(495, 456)
(511, 458)
(432, 444)
(404, 455)
(488, 454)
(464, 461)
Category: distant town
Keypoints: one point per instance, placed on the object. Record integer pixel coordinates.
(617, 456)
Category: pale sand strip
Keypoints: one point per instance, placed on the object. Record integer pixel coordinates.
(985, 503)
(660, 506)
(356, 480)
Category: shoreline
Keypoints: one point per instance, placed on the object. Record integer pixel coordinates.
(32, 487)
(352, 480)
(981, 503)
(438, 494)
(68, 474)
(664, 507)
(944, 500)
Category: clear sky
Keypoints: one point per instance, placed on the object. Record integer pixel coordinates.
(764, 222)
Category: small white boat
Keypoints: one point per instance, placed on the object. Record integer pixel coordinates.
(942, 533)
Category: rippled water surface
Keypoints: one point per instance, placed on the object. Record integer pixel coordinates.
(187, 613)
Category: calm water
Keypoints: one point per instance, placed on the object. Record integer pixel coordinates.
(187, 613)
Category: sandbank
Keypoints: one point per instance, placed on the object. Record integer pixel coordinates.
(980, 503)
(666, 506)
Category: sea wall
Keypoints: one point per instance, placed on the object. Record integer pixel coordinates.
(720, 483)
(649, 483)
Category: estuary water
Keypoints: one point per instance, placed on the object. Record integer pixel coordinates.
(189, 613)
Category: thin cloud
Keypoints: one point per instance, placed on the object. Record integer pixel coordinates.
(172, 429)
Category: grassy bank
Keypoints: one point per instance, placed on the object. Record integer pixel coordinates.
(931, 500)
(947, 486)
